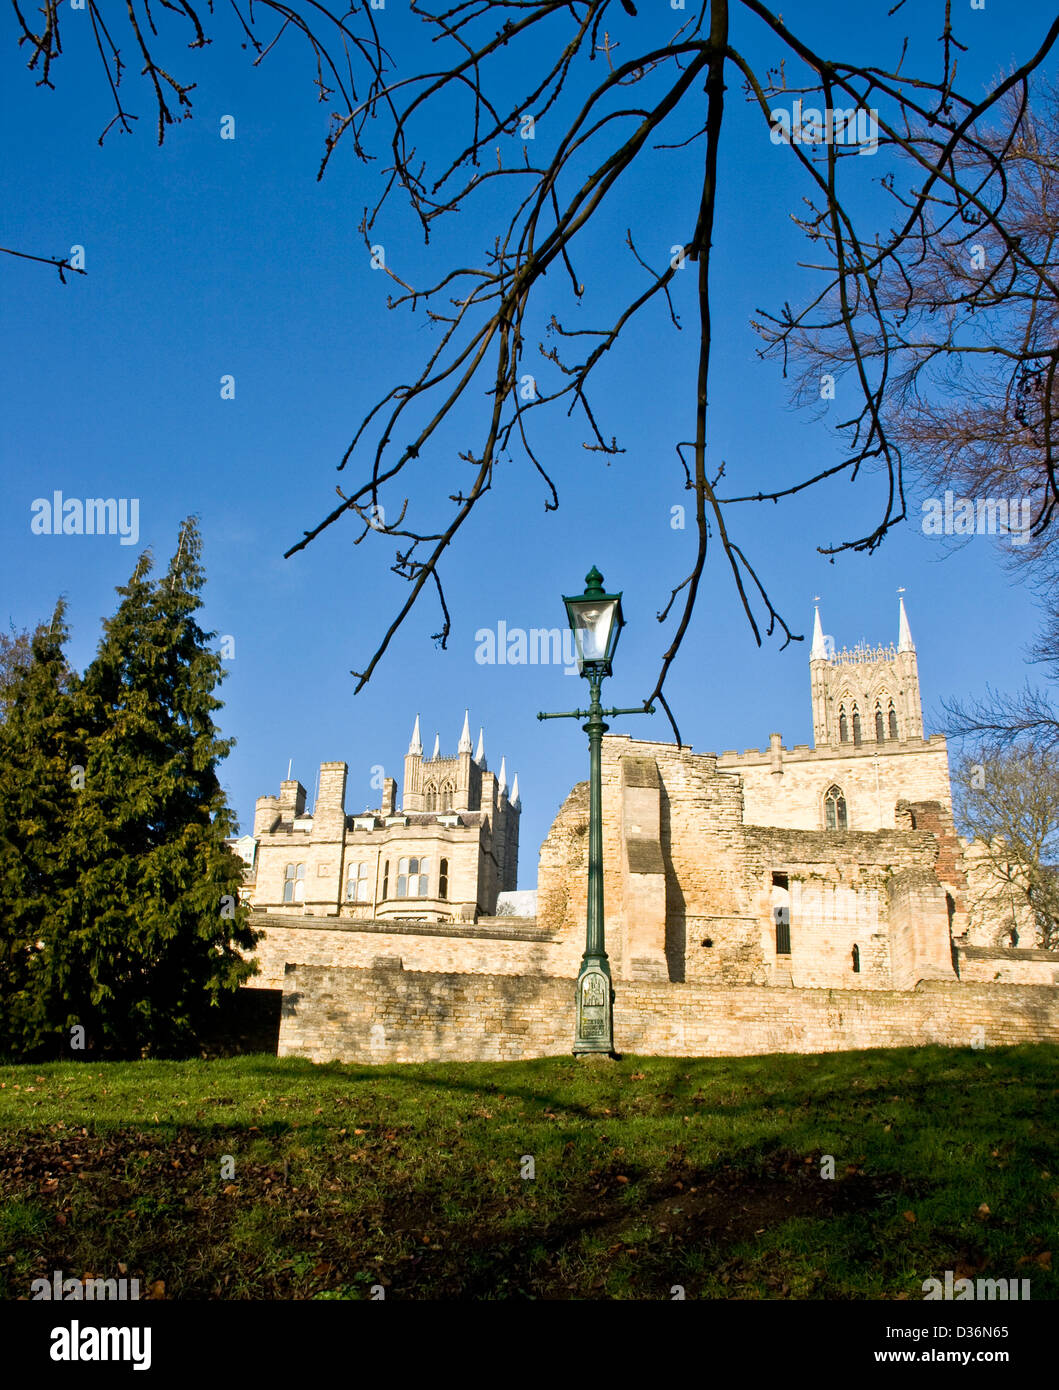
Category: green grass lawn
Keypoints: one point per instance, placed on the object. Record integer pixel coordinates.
(649, 1173)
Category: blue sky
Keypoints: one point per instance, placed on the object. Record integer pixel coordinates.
(211, 257)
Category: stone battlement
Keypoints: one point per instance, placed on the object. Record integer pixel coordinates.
(862, 653)
(804, 753)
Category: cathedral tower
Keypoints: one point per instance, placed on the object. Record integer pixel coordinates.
(865, 694)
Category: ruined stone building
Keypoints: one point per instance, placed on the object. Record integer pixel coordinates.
(780, 898)
(832, 866)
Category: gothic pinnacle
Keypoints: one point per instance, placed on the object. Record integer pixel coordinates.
(904, 637)
(819, 652)
(465, 737)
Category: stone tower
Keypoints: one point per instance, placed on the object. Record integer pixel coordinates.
(442, 784)
(865, 694)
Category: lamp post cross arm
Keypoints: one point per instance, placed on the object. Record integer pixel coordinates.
(608, 713)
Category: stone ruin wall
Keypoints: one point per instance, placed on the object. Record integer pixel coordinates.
(389, 1015)
(689, 887)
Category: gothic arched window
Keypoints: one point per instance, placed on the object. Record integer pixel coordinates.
(893, 720)
(856, 960)
(445, 800)
(843, 725)
(835, 817)
(856, 726)
(880, 727)
(430, 796)
(357, 884)
(294, 883)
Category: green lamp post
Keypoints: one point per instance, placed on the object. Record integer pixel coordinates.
(596, 620)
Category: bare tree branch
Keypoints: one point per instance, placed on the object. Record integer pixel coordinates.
(893, 309)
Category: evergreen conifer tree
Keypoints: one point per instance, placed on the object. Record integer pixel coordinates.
(137, 894)
(153, 927)
(41, 770)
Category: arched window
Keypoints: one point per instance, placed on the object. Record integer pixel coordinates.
(880, 726)
(856, 726)
(843, 725)
(856, 960)
(443, 879)
(835, 809)
(413, 876)
(357, 884)
(893, 720)
(294, 883)
(431, 797)
(445, 800)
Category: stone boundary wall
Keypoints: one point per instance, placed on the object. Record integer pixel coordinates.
(1008, 966)
(418, 946)
(486, 928)
(393, 1015)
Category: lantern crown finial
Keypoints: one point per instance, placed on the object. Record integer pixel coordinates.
(593, 581)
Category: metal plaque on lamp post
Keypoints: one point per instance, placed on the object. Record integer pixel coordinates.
(596, 620)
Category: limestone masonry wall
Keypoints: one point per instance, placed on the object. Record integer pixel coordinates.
(392, 1015)
(1008, 967)
(789, 791)
(690, 887)
(336, 942)
(996, 903)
